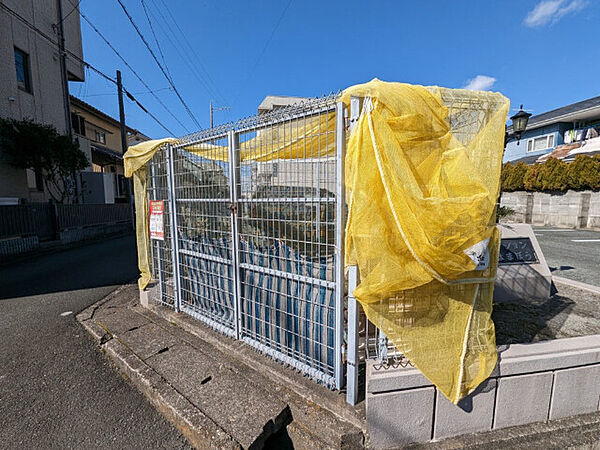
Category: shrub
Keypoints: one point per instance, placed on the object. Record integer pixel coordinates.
(551, 176)
(584, 173)
(512, 177)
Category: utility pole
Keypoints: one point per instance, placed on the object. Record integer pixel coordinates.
(63, 67)
(218, 108)
(65, 86)
(124, 140)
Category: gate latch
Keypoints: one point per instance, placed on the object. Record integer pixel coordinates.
(233, 208)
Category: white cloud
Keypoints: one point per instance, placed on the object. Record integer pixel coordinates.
(480, 83)
(551, 11)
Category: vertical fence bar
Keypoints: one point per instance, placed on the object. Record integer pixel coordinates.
(233, 141)
(352, 359)
(340, 151)
(173, 225)
(353, 308)
(158, 255)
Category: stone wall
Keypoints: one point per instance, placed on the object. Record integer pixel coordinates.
(570, 209)
(531, 383)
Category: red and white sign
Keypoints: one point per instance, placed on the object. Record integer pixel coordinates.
(157, 226)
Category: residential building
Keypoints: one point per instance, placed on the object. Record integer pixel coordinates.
(271, 102)
(563, 132)
(99, 136)
(30, 78)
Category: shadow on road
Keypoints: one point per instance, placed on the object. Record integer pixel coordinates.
(102, 263)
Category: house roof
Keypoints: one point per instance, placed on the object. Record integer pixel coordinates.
(102, 115)
(579, 111)
(106, 151)
(529, 160)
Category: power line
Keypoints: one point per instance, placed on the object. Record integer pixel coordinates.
(103, 94)
(155, 38)
(263, 50)
(116, 52)
(211, 84)
(184, 57)
(70, 12)
(159, 64)
(80, 60)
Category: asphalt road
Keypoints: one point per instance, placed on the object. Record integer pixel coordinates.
(56, 388)
(573, 254)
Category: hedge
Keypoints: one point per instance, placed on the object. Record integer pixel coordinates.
(553, 175)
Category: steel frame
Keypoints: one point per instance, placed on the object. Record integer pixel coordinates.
(243, 306)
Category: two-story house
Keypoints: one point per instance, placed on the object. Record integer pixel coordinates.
(564, 132)
(99, 136)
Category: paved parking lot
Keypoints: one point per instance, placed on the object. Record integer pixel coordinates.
(573, 254)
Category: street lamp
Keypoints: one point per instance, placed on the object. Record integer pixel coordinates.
(519, 124)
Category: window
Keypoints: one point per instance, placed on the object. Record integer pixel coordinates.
(78, 124)
(540, 143)
(35, 181)
(101, 137)
(23, 70)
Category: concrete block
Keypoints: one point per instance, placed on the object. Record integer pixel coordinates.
(575, 391)
(473, 414)
(148, 340)
(394, 378)
(548, 355)
(144, 298)
(399, 418)
(523, 399)
(243, 408)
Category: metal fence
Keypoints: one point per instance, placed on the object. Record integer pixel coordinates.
(45, 220)
(35, 219)
(259, 243)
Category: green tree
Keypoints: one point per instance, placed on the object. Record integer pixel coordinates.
(56, 157)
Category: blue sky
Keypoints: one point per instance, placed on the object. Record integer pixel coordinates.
(539, 53)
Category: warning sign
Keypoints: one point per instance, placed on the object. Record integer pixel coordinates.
(157, 228)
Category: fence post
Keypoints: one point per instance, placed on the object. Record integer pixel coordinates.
(158, 253)
(233, 141)
(352, 358)
(173, 226)
(340, 206)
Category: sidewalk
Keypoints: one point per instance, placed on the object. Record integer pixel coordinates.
(220, 393)
(217, 391)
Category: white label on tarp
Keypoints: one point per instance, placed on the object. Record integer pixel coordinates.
(157, 229)
(479, 254)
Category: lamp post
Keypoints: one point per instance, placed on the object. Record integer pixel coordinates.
(519, 124)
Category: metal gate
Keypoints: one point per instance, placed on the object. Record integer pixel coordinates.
(258, 207)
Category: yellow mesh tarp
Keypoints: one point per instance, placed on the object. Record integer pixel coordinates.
(422, 174)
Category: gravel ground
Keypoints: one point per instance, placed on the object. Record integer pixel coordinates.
(568, 313)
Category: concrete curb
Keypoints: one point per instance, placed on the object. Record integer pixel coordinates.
(577, 284)
(199, 429)
(116, 320)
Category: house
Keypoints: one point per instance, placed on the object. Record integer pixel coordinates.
(30, 79)
(272, 102)
(563, 132)
(99, 136)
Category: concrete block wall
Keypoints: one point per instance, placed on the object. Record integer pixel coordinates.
(17, 245)
(532, 383)
(570, 209)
